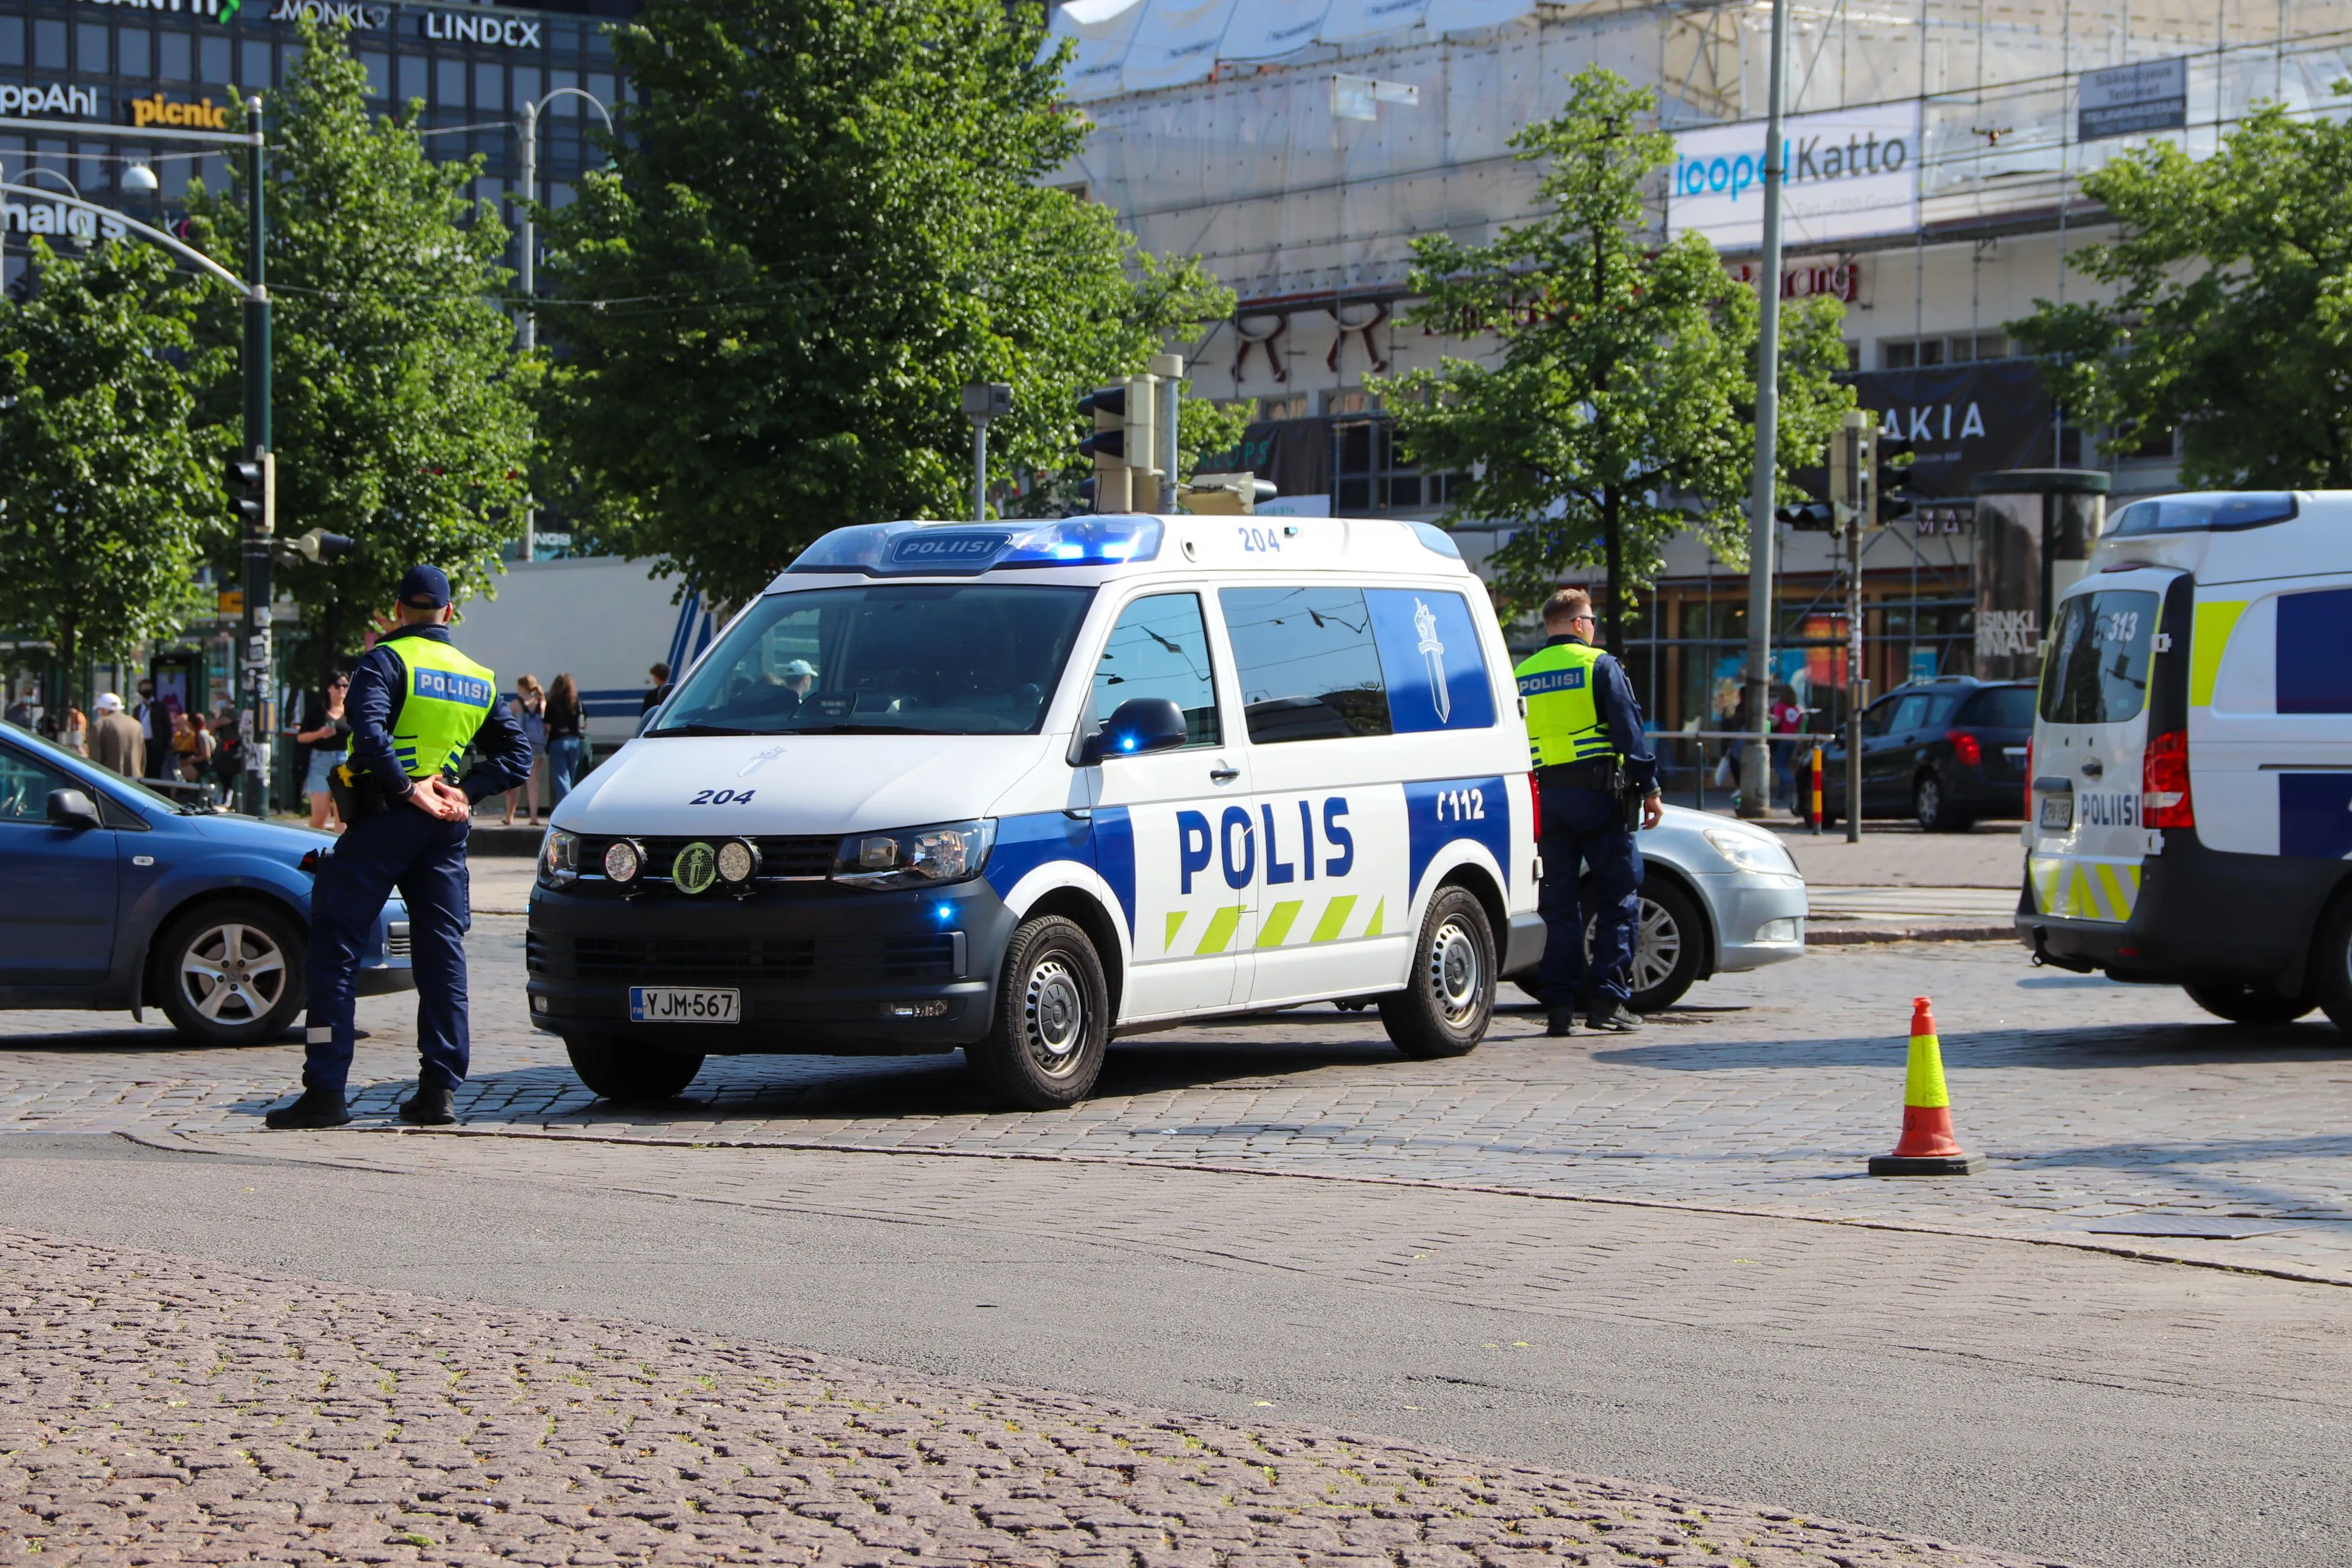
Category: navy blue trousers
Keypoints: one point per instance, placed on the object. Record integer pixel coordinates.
(1584, 826)
(425, 858)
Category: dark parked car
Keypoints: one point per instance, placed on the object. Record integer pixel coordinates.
(114, 896)
(1946, 751)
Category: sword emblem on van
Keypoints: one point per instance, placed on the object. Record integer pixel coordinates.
(762, 761)
(1432, 654)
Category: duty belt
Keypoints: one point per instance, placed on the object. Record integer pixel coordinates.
(1601, 774)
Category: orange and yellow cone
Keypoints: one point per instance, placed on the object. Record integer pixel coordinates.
(1928, 1147)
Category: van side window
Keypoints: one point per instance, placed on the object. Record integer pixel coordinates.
(1309, 668)
(1160, 648)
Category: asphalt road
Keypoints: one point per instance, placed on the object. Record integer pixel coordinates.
(2018, 1397)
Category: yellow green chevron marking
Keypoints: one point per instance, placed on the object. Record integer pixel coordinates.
(1175, 925)
(1335, 918)
(1377, 908)
(1222, 926)
(2215, 621)
(1278, 924)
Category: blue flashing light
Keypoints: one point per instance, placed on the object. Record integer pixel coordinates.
(945, 911)
(893, 549)
(1127, 743)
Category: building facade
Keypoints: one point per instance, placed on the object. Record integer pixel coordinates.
(1937, 150)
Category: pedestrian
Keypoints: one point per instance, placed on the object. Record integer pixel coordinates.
(20, 711)
(197, 761)
(1584, 731)
(529, 706)
(75, 736)
(327, 735)
(414, 704)
(659, 689)
(1788, 719)
(228, 753)
(181, 742)
(116, 738)
(154, 716)
(566, 735)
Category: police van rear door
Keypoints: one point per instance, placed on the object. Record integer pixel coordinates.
(2090, 745)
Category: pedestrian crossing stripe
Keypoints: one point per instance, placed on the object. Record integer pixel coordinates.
(2105, 890)
(1280, 923)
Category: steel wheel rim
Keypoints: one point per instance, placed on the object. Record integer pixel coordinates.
(1456, 972)
(1054, 1012)
(1657, 944)
(233, 973)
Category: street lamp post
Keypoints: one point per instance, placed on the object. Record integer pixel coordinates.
(527, 270)
(257, 542)
(1756, 772)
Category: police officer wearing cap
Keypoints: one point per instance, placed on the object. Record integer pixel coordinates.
(1584, 731)
(415, 703)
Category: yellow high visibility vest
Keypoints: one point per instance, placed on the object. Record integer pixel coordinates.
(1564, 722)
(446, 698)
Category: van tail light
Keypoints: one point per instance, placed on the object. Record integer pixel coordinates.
(2164, 783)
(1965, 750)
(2029, 778)
(1535, 802)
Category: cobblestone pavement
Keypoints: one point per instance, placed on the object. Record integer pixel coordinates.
(154, 1408)
(2115, 1117)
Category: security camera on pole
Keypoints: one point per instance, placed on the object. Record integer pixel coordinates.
(983, 401)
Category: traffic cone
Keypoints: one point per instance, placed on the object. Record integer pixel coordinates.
(1927, 1147)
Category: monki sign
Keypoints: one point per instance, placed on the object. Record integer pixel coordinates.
(202, 115)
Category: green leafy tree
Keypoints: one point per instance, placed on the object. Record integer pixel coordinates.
(825, 217)
(402, 417)
(106, 502)
(1622, 409)
(2230, 320)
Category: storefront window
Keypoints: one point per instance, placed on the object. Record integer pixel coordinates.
(12, 40)
(217, 71)
(176, 54)
(89, 43)
(253, 66)
(526, 85)
(378, 67)
(449, 83)
(412, 78)
(49, 46)
(489, 86)
(132, 52)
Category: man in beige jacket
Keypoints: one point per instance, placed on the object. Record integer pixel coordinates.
(115, 740)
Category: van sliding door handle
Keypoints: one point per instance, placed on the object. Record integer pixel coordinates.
(1224, 775)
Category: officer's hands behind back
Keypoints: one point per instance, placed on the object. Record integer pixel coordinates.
(437, 796)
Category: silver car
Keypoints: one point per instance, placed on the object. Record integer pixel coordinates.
(1717, 896)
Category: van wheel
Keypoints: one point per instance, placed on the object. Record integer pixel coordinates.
(230, 974)
(1449, 999)
(627, 1073)
(1053, 1019)
(2244, 1004)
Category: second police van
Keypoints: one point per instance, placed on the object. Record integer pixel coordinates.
(1013, 788)
(2191, 769)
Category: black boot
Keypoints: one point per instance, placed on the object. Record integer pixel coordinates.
(1559, 1023)
(1614, 1018)
(316, 1109)
(428, 1108)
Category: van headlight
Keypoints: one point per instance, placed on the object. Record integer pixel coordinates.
(559, 858)
(915, 857)
(1750, 851)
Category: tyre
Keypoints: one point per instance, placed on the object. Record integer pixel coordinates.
(1668, 941)
(2244, 1004)
(628, 1073)
(1449, 999)
(1052, 1029)
(230, 974)
(1934, 809)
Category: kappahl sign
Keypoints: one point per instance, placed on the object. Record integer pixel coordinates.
(1851, 173)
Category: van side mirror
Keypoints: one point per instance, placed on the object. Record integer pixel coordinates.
(1138, 725)
(72, 809)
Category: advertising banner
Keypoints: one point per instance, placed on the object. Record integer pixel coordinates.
(1851, 173)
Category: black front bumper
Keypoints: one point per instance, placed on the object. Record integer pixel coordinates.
(2202, 917)
(821, 969)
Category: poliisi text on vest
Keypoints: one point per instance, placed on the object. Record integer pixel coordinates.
(202, 115)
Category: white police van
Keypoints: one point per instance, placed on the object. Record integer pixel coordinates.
(2192, 766)
(1018, 788)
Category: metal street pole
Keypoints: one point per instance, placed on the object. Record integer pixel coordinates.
(527, 275)
(1756, 774)
(1857, 691)
(257, 542)
(983, 401)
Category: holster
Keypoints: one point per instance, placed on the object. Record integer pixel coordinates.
(356, 794)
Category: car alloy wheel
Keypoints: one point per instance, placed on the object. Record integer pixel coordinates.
(233, 973)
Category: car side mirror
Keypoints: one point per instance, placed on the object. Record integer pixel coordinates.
(1138, 725)
(72, 809)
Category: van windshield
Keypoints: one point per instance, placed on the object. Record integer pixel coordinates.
(2097, 669)
(920, 658)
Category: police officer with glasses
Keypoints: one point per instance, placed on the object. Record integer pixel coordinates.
(1595, 773)
(415, 703)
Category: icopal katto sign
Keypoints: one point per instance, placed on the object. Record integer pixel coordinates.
(1850, 173)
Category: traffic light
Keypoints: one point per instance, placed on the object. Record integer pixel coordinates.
(1107, 405)
(1808, 517)
(257, 506)
(319, 547)
(1890, 485)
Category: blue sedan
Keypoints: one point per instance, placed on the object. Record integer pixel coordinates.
(114, 896)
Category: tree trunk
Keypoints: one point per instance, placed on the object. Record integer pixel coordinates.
(1614, 544)
(69, 663)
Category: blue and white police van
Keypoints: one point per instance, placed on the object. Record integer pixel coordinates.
(2191, 812)
(1018, 788)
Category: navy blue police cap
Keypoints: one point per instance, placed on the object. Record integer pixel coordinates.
(425, 588)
